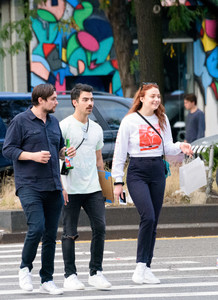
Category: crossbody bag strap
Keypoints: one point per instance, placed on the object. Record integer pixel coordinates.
(153, 128)
(83, 137)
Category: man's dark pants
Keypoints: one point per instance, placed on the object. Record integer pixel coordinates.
(94, 206)
(42, 211)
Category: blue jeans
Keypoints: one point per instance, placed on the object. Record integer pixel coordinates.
(146, 185)
(94, 206)
(42, 211)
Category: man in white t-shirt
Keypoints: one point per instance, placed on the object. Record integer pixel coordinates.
(83, 189)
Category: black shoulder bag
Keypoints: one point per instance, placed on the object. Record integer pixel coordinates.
(166, 163)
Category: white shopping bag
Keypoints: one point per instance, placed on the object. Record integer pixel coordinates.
(192, 176)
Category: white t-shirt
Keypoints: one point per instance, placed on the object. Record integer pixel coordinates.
(139, 139)
(83, 178)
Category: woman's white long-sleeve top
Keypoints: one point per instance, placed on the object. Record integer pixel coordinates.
(139, 139)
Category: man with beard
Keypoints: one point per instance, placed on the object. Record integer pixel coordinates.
(34, 142)
(83, 188)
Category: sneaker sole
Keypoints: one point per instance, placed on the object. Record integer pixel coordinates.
(49, 293)
(149, 282)
(74, 289)
(26, 290)
(100, 288)
(137, 281)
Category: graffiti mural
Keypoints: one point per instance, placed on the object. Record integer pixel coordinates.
(205, 50)
(206, 56)
(84, 48)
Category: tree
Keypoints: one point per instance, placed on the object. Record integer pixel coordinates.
(149, 31)
(116, 11)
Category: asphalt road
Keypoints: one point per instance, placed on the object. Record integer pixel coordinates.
(186, 267)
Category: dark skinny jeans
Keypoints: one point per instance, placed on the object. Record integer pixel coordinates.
(94, 206)
(42, 211)
(146, 185)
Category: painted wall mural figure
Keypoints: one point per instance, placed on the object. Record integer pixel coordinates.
(84, 49)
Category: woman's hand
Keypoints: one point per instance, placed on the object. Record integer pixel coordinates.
(118, 191)
(186, 149)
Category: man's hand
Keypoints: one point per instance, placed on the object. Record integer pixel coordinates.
(40, 157)
(71, 152)
(65, 195)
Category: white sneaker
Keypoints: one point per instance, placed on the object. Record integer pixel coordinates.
(138, 275)
(49, 287)
(72, 283)
(149, 277)
(25, 279)
(99, 281)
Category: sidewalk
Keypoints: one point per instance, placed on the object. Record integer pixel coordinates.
(122, 222)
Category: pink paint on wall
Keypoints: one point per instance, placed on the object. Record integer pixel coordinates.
(88, 41)
(81, 66)
(57, 10)
(60, 87)
(211, 27)
(40, 70)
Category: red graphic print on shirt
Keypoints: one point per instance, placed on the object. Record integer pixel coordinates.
(148, 138)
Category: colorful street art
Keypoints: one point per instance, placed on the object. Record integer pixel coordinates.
(83, 49)
(205, 51)
(206, 56)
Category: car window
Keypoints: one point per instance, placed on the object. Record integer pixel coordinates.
(9, 109)
(112, 112)
(65, 108)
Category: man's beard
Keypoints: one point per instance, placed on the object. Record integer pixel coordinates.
(50, 111)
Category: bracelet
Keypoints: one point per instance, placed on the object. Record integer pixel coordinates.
(116, 183)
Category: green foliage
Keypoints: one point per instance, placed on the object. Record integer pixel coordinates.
(206, 156)
(104, 4)
(181, 17)
(21, 27)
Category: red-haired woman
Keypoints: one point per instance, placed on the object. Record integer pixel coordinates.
(145, 141)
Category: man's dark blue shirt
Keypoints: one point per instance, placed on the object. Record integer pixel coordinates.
(28, 133)
(195, 126)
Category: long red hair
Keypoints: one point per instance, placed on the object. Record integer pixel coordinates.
(137, 104)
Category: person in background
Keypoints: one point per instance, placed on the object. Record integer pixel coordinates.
(146, 170)
(84, 190)
(34, 142)
(195, 121)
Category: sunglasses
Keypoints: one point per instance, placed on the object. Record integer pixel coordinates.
(146, 83)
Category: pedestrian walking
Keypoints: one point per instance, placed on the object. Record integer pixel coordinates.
(195, 120)
(145, 134)
(84, 190)
(34, 142)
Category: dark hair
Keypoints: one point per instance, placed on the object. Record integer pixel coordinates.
(191, 98)
(78, 88)
(44, 91)
(137, 104)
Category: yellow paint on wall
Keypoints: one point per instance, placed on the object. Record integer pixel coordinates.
(64, 54)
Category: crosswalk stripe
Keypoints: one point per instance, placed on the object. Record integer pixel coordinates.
(135, 296)
(181, 277)
(131, 286)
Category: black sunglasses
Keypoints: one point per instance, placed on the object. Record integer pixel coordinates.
(146, 83)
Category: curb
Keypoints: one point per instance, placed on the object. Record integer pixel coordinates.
(128, 232)
(123, 222)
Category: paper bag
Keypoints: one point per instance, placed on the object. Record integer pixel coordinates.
(192, 176)
(106, 183)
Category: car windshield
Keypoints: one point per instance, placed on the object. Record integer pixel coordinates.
(112, 111)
